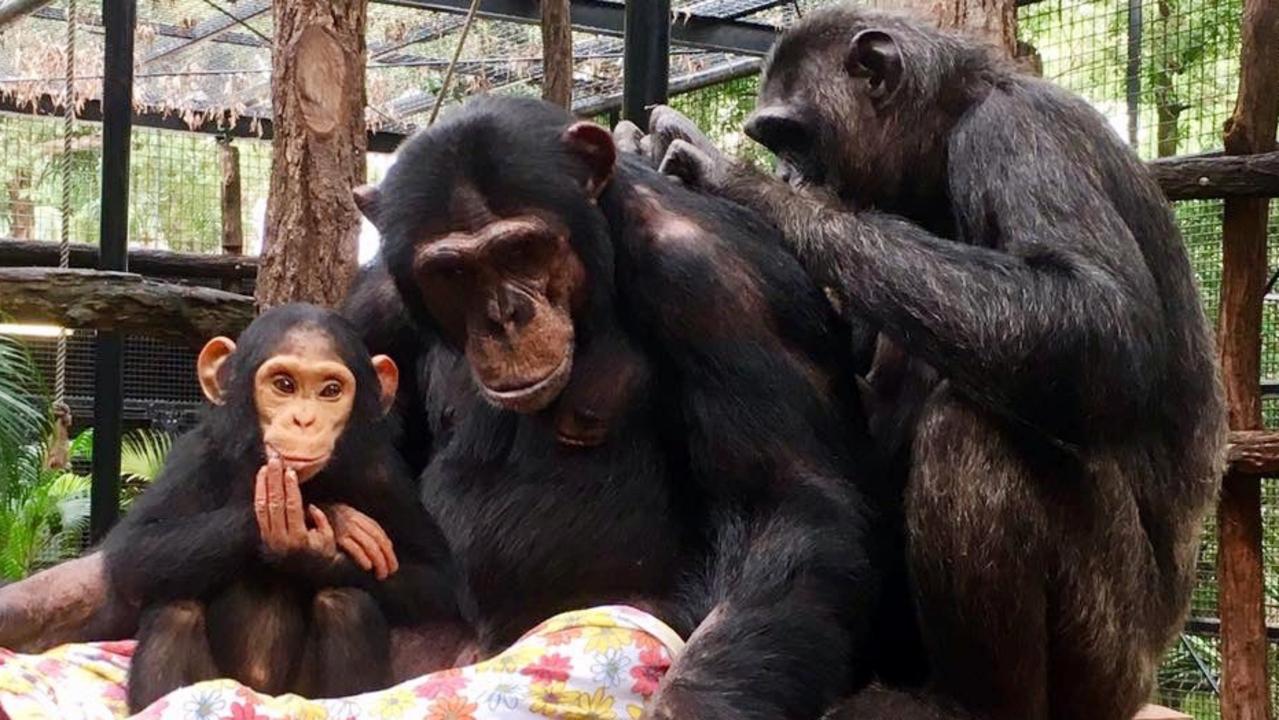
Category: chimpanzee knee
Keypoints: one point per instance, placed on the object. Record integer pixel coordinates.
(348, 646)
(173, 650)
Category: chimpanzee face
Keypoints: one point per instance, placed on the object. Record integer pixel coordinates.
(822, 110)
(495, 240)
(303, 393)
(505, 288)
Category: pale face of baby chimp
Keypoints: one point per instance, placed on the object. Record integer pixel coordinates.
(303, 393)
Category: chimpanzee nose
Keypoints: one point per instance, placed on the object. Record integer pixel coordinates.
(777, 128)
(509, 307)
(304, 419)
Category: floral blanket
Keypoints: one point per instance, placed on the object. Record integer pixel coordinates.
(596, 664)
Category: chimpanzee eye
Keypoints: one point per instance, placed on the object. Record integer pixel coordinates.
(331, 390)
(284, 384)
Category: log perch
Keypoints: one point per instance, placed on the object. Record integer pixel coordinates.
(163, 263)
(1254, 453)
(124, 302)
(1222, 176)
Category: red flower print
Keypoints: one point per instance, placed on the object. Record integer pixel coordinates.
(445, 683)
(243, 711)
(647, 675)
(154, 710)
(454, 708)
(51, 669)
(118, 647)
(562, 637)
(644, 641)
(549, 668)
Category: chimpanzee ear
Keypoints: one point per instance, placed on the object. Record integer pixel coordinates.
(209, 367)
(368, 198)
(388, 375)
(876, 56)
(594, 145)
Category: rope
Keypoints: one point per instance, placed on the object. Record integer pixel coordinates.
(61, 412)
(457, 53)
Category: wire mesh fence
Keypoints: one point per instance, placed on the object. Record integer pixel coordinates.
(1163, 72)
(1172, 101)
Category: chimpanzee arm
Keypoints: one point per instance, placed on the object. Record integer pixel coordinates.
(795, 580)
(1046, 298)
(427, 585)
(177, 541)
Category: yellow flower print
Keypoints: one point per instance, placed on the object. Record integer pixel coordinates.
(511, 661)
(394, 703)
(553, 700)
(576, 619)
(601, 639)
(635, 711)
(294, 707)
(596, 706)
(14, 682)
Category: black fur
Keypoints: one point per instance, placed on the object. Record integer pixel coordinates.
(1062, 463)
(738, 482)
(213, 605)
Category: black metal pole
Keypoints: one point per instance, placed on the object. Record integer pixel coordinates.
(646, 63)
(1134, 70)
(119, 18)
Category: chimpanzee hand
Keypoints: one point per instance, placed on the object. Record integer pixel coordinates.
(277, 503)
(363, 540)
(694, 168)
(667, 125)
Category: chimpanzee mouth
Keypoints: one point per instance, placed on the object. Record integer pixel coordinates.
(533, 396)
(798, 172)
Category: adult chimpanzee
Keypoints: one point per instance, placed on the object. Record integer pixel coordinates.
(218, 553)
(996, 229)
(634, 394)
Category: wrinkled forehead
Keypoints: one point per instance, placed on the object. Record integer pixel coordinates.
(308, 343)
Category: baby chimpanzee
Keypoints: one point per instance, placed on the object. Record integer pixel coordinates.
(232, 579)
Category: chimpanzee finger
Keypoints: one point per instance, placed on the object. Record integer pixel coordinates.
(686, 162)
(275, 499)
(668, 125)
(355, 552)
(294, 520)
(371, 549)
(259, 504)
(382, 540)
(627, 137)
(322, 528)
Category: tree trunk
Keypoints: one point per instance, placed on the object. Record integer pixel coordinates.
(992, 21)
(1245, 693)
(22, 213)
(313, 226)
(557, 53)
(232, 221)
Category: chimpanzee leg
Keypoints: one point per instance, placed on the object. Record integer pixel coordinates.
(348, 646)
(173, 650)
(256, 629)
(878, 702)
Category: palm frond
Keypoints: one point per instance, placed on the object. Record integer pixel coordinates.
(142, 454)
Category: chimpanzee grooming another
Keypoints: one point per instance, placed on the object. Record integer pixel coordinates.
(231, 579)
(635, 394)
(996, 229)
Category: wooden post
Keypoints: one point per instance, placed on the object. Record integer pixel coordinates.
(317, 93)
(232, 219)
(557, 53)
(1251, 129)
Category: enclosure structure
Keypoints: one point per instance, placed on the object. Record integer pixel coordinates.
(1166, 73)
